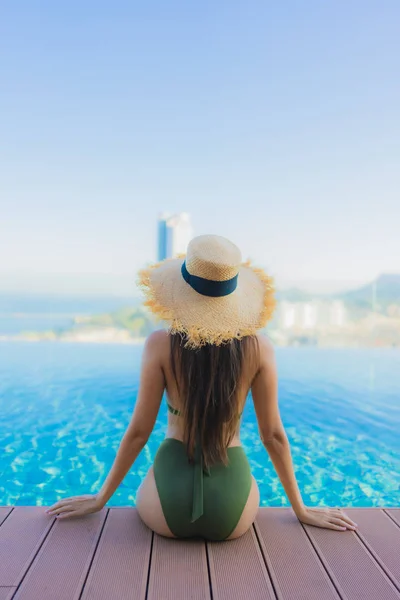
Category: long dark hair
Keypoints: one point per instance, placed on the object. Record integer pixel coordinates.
(208, 380)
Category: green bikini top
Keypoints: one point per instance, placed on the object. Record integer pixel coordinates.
(173, 410)
(197, 505)
(177, 412)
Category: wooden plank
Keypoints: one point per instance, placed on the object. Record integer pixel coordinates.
(61, 565)
(121, 563)
(295, 569)
(382, 538)
(21, 535)
(394, 513)
(353, 570)
(54, 559)
(178, 570)
(4, 512)
(237, 569)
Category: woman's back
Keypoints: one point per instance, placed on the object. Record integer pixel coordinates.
(173, 386)
(215, 498)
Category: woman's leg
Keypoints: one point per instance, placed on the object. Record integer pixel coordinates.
(249, 512)
(149, 506)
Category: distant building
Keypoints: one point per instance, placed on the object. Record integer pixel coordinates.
(311, 315)
(287, 315)
(174, 234)
(338, 314)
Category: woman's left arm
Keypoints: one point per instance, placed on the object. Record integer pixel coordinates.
(152, 385)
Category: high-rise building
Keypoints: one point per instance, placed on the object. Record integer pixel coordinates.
(174, 234)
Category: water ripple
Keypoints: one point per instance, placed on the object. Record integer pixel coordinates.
(65, 408)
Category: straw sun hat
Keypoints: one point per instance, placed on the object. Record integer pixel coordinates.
(209, 294)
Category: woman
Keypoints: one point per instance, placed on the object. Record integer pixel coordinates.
(200, 483)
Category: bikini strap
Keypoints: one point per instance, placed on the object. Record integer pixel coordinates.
(173, 410)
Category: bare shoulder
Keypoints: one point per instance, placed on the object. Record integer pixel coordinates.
(267, 350)
(157, 343)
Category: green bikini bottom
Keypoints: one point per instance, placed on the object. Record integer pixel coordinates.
(198, 503)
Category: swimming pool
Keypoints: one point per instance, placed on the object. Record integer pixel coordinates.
(65, 407)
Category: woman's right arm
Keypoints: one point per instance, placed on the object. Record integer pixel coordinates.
(273, 436)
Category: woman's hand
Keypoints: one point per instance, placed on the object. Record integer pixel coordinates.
(75, 506)
(329, 518)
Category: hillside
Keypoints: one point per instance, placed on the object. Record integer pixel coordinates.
(137, 321)
(378, 295)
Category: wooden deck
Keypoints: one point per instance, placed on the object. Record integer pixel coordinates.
(112, 555)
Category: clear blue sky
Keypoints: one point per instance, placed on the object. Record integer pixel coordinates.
(276, 124)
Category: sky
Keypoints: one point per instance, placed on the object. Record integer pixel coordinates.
(274, 124)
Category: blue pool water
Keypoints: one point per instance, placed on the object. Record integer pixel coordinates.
(64, 409)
